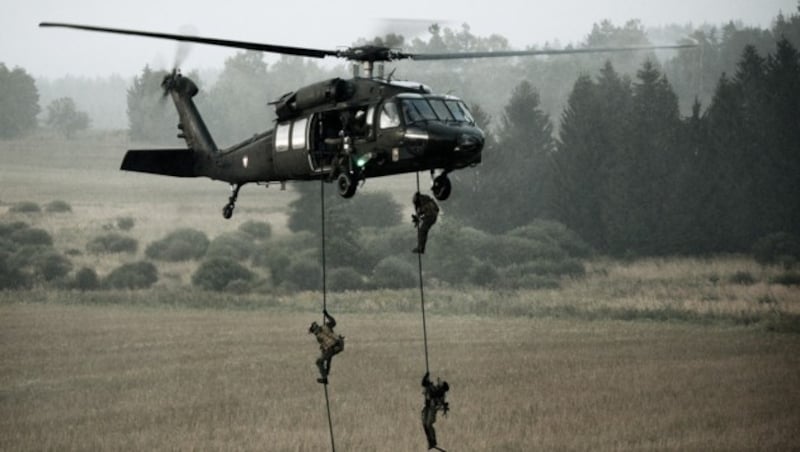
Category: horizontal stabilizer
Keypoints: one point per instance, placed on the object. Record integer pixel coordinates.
(169, 162)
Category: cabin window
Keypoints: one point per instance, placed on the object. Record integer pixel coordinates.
(282, 137)
(389, 116)
(299, 134)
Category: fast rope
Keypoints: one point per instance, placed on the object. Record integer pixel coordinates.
(325, 300)
(422, 296)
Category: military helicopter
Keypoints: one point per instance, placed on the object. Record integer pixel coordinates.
(342, 130)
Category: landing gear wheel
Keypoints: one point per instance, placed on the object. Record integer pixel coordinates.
(441, 187)
(346, 185)
(227, 211)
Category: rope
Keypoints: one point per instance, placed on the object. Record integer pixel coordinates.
(422, 297)
(325, 300)
(322, 216)
(330, 422)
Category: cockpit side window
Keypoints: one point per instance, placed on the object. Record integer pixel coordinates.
(417, 110)
(389, 117)
(460, 111)
(441, 109)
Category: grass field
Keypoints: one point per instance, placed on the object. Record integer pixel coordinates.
(127, 378)
(653, 354)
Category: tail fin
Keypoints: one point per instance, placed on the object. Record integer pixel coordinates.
(169, 162)
(192, 127)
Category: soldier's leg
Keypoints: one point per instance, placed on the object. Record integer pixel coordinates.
(428, 418)
(422, 236)
(321, 366)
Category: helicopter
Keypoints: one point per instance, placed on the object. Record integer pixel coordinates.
(337, 130)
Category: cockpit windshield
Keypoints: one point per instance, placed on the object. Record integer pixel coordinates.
(435, 109)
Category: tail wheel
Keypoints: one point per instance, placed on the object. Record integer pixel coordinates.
(441, 187)
(346, 185)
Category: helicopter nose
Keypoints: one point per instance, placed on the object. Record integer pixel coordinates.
(469, 143)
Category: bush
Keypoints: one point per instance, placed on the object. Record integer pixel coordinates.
(25, 207)
(31, 236)
(6, 229)
(233, 245)
(50, 265)
(304, 274)
(137, 275)
(112, 243)
(180, 245)
(86, 279)
(394, 273)
(11, 277)
(777, 248)
(556, 234)
(483, 274)
(345, 278)
(58, 206)
(787, 279)
(125, 223)
(743, 278)
(218, 273)
(258, 230)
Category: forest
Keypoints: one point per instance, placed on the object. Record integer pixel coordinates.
(693, 152)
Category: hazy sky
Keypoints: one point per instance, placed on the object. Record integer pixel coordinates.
(313, 23)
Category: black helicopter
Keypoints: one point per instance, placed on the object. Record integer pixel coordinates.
(342, 130)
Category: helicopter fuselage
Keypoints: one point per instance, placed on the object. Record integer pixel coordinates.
(342, 130)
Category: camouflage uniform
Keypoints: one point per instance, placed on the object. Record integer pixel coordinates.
(330, 344)
(434, 401)
(425, 217)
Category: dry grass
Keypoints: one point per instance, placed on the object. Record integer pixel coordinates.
(121, 378)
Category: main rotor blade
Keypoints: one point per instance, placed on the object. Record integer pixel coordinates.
(514, 53)
(299, 51)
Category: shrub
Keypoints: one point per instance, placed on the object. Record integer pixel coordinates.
(743, 278)
(483, 274)
(304, 274)
(125, 223)
(50, 265)
(86, 279)
(378, 209)
(787, 279)
(25, 207)
(777, 248)
(394, 273)
(112, 243)
(345, 278)
(58, 206)
(137, 275)
(218, 273)
(6, 229)
(233, 245)
(11, 277)
(180, 245)
(258, 230)
(556, 234)
(31, 236)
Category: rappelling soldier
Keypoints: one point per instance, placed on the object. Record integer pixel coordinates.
(434, 401)
(330, 344)
(426, 212)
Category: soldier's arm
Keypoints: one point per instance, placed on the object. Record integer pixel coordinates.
(329, 320)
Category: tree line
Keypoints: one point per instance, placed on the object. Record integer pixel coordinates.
(632, 176)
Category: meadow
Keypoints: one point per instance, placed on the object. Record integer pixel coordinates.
(678, 353)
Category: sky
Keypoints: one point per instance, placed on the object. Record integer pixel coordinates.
(54, 53)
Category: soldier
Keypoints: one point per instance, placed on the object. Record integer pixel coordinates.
(426, 214)
(434, 401)
(330, 344)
